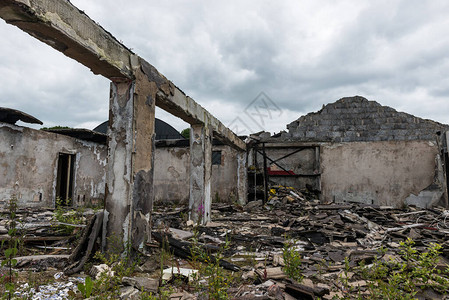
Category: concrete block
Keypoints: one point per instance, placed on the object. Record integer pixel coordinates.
(298, 134)
(428, 136)
(310, 134)
(335, 134)
(347, 139)
(373, 127)
(325, 122)
(351, 134)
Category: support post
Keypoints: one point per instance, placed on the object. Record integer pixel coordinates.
(129, 190)
(242, 178)
(265, 175)
(200, 173)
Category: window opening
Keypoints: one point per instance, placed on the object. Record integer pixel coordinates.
(216, 157)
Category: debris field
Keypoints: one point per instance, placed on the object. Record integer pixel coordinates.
(332, 239)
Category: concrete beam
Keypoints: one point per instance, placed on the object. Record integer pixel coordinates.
(200, 173)
(129, 199)
(184, 107)
(67, 29)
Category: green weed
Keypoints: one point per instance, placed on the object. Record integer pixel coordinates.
(217, 279)
(292, 260)
(401, 278)
(86, 287)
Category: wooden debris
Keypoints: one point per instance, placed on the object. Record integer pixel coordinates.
(271, 273)
(183, 249)
(84, 249)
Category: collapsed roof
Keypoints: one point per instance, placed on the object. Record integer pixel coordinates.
(356, 119)
(11, 116)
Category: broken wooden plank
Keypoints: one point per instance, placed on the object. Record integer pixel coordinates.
(42, 261)
(84, 248)
(301, 291)
(405, 227)
(271, 273)
(334, 207)
(183, 250)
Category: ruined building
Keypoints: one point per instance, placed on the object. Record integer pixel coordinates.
(358, 150)
(39, 167)
(353, 150)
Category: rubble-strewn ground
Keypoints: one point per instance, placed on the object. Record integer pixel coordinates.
(346, 251)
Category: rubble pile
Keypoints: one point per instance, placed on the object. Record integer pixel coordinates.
(40, 231)
(330, 237)
(248, 242)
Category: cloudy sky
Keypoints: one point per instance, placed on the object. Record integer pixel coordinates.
(300, 54)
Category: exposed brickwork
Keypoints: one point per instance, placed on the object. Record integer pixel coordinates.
(354, 119)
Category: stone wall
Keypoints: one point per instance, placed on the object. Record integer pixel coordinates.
(355, 119)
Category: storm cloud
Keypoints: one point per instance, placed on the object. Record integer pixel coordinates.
(301, 54)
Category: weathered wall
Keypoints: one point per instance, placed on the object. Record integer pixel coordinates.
(383, 173)
(171, 174)
(28, 166)
(224, 176)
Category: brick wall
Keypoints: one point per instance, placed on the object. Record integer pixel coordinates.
(354, 119)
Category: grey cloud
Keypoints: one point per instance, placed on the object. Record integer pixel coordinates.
(228, 52)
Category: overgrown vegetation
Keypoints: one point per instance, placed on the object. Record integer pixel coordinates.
(67, 216)
(216, 277)
(108, 283)
(402, 277)
(186, 133)
(8, 280)
(56, 127)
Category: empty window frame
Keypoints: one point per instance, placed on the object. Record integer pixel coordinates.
(216, 157)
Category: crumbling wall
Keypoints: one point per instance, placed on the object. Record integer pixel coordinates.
(371, 153)
(172, 171)
(382, 173)
(28, 166)
(355, 119)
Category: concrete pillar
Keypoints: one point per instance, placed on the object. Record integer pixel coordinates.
(242, 177)
(200, 173)
(129, 190)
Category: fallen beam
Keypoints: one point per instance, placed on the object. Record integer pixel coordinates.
(183, 249)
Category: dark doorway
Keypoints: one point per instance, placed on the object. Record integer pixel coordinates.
(64, 183)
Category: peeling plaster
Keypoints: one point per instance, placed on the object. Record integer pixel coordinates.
(31, 166)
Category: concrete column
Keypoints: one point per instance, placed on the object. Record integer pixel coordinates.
(200, 173)
(129, 190)
(242, 178)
